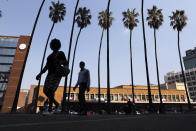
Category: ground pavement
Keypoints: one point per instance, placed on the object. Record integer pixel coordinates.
(57, 122)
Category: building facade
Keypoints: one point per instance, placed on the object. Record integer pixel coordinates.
(120, 94)
(190, 59)
(13, 51)
(190, 75)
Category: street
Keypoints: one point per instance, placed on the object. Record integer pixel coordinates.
(166, 122)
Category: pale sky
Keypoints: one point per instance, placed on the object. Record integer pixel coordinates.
(18, 19)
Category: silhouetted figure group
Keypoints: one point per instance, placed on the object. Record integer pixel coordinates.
(57, 67)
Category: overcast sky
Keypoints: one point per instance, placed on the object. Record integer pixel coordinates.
(18, 18)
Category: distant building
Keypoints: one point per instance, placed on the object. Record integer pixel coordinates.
(23, 98)
(13, 51)
(190, 59)
(176, 77)
(119, 94)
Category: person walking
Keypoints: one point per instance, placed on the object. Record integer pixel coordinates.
(84, 84)
(56, 67)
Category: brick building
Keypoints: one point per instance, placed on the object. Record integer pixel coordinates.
(13, 50)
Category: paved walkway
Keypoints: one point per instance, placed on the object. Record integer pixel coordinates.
(168, 122)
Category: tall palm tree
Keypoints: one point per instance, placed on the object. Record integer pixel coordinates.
(0, 13)
(57, 13)
(108, 58)
(69, 52)
(25, 60)
(83, 20)
(146, 59)
(130, 22)
(178, 22)
(155, 20)
(103, 24)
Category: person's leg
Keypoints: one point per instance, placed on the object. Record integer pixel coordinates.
(47, 93)
(83, 102)
(80, 102)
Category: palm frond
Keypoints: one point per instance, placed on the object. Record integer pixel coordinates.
(102, 17)
(57, 12)
(130, 18)
(155, 17)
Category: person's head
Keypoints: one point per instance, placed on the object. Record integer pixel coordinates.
(82, 65)
(55, 45)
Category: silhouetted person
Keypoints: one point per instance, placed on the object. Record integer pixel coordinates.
(129, 106)
(55, 59)
(84, 84)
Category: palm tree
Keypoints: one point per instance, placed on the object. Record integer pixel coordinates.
(69, 52)
(155, 20)
(146, 59)
(103, 24)
(83, 20)
(0, 13)
(130, 22)
(108, 59)
(178, 21)
(57, 13)
(25, 60)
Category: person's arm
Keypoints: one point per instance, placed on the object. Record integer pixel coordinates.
(42, 72)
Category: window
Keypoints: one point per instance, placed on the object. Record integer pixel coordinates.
(181, 75)
(187, 74)
(139, 97)
(189, 84)
(193, 78)
(188, 79)
(87, 96)
(182, 98)
(194, 83)
(92, 96)
(192, 73)
(147, 97)
(111, 97)
(169, 98)
(174, 98)
(152, 96)
(121, 97)
(143, 98)
(169, 78)
(177, 98)
(6, 59)
(190, 89)
(116, 97)
(176, 77)
(164, 96)
(4, 51)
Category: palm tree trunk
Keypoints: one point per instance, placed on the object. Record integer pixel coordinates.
(14, 107)
(69, 52)
(99, 87)
(108, 59)
(157, 68)
(70, 82)
(131, 64)
(146, 59)
(42, 64)
(183, 74)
